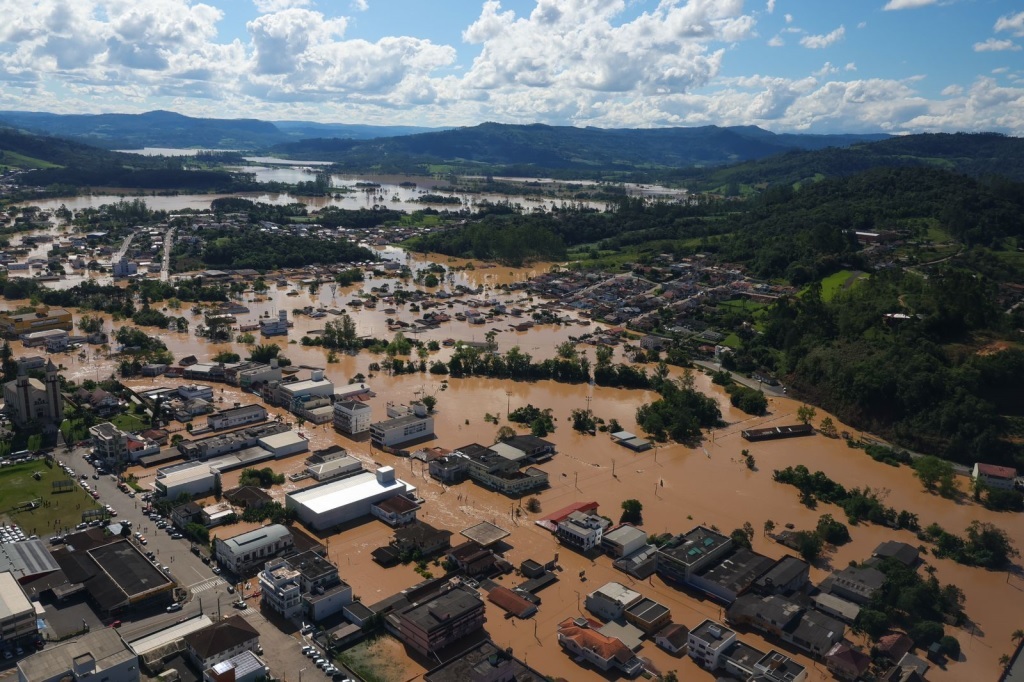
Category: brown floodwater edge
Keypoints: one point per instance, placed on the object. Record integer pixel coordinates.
(679, 487)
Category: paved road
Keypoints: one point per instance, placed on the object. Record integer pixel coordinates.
(206, 590)
(165, 269)
(124, 248)
(739, 378)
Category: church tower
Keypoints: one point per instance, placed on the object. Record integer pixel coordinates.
(54, 400)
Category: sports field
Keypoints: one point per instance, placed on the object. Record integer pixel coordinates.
(52, 510)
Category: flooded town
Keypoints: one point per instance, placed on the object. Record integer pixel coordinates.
(408, 465)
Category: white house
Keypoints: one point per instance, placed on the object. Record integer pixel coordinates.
(611, 600)
(352, 417)
(247, 550)
(994, 476)
(581, 531)
(707, 642)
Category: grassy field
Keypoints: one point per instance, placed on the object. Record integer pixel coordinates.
(834, 283)
(18, 486)
(129, 422)
(16, 160)
(742, 304)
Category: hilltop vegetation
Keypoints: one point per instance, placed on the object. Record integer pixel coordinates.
(530, 150)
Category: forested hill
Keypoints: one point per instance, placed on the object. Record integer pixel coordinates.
(54, 161)
(536, 148)
(974, 154)
(170, 129)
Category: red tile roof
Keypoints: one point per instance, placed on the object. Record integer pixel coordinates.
(563, 513)
(586, 637)
(511, 602)
(994, 471)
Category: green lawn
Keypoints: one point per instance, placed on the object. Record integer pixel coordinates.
(742, 304)
(834, 283)
(732, 341)
(58, 510)
(129, 422)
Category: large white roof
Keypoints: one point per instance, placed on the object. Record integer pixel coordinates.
(323, 498)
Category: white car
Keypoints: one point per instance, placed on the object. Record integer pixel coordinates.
(174, 607)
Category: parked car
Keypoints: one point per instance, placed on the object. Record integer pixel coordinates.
(174, 607)
(216, 570)
(116, 624)
(231, 589)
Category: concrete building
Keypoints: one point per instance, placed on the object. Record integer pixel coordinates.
(54, 340)
(431, 626)
(236, 416)
(249, 374)
(352, 417)
(330, 504)
(109, 443)
(623, 541)
(305, 585)
(196, 392)
(221, 642)
(993, 476)
(405, 424)
(298, 395)
(190, 478)
(241, 553)
(686, 554)
(648, 615)
(485, 662)
(41, 319)
(610, 601)
(708, 642)
(808, 630)
(30, 400)
(278, 327)
(328, 469)
(99, 655)
(17, 612)
(284, 444)
(226, 443)
(582, 532)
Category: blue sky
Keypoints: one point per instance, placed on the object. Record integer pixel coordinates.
(785, 65)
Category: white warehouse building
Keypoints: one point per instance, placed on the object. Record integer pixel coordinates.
(193, 478)
(336, 502)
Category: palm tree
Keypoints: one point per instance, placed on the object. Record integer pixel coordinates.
(1017, 635)
(1004, 660)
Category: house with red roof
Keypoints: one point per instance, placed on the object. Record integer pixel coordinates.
(994, 476)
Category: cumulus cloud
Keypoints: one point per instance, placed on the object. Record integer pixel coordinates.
(850, 66)
(770, 7)
(267, 6)
(789, 18)
(1013, 23)
(776, 41)
(996, 45)
(907, 4)
(818, 42)
(360, 5)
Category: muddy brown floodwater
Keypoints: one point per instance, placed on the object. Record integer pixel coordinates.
(679, 486)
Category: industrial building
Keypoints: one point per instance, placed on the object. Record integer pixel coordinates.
(190, 478)
(236, 416)
(41, 319)
(339, 501)
(406, 424)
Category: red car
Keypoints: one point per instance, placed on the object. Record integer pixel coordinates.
(116, 624)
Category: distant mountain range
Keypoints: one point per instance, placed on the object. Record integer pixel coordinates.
(526, 148)
(168, 129)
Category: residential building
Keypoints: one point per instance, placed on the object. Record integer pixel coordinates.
(397, 510)
(686, 554)
(221, 641)
(847, 663)
(41, 319)
(247, 496)
(778, 667)
(305, 395)
(305, 585)
(30, 400)
(581, 638)
(672, 638)
(187, 513)
(906, 554)
(251, 374)
(236, 416)
(582, 532)
(416, 539)
(243, 667)
(405, 424)
(610, 601)
(489, 468)
(109, 443)
(809, 630)
(196, 392)
(731, 575)
(337, 465)
(352, 417)
(54, 340)
(243, 552)
(854, 583)
(443, 620)
(993, 476)
(740, 660)
(707, 643)
(99, 655)
(342, 500)
(17, 613)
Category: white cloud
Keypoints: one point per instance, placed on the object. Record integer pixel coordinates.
(360, 5)
(267, 6)
(822, 41)
(995, 45)
(851, 66)
(862, 24)
(952, 91)
(776, 41)
(789, 18)
(907, 4)
(826, 69)
(1013, 23)
(771, 6)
